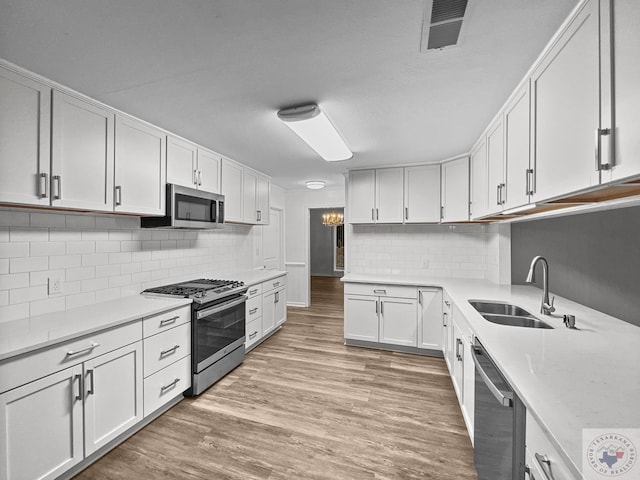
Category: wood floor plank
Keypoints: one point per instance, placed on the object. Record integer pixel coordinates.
(305, 406)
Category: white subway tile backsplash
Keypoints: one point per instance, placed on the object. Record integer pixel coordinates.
(65, 261)
(4, 234)
(123, 257)
(130, 246)
(41, 277)
(81, 247)
(53, 304)
(4, 298)
(63, 235)
(28, 294)
(28, 234)
(9, 218)
(80, 273)
(28, 264)
(4, 266)
(94, 284)
(45, 249)
(17, 249)
(107, 294)
(107, 246)
(80, 299)
(80, 221)
(108, 270)
(47, 220)
(120, 280)
(95, 235)
(15, 280)
(14, 312)
(92, 259)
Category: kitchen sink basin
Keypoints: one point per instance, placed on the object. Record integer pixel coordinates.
(507, 314)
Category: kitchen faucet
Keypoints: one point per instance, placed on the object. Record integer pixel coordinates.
(546, 308)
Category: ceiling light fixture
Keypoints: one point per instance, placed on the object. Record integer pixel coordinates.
(315, 184)
(521, 209)
(332, 219)
(312, 125)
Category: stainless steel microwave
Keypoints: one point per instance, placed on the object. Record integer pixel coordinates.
(189, 208)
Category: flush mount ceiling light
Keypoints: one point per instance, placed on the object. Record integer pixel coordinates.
(315, 184)
(312, 125)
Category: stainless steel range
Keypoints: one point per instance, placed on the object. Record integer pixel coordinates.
(217, 327)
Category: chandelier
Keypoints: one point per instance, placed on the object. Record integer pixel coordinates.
(332, 219)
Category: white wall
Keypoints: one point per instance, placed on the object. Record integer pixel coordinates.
(460, 251)
(103, 257)
(297, 205)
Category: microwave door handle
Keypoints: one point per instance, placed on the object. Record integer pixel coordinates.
(223, 306)
(505, 398)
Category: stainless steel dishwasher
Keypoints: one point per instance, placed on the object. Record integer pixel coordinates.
(499, 425)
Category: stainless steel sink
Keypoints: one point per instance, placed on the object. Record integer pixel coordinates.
(507, 314)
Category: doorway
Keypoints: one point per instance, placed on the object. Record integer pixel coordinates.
(326, 251)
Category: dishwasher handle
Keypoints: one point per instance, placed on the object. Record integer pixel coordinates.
(505, 398)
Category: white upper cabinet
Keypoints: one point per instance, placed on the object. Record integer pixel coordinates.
(565, 108)
(191, 166)
(518, 173)
(455, 190)
(139, 168)
(263, 194)
(422, 194)
(479, 180)
(626, 77)
(81, 154)
(232, 187)
(362, 196)
(495, 163)
(389, 195)
(25, 128)
(208, 171)
(249, 187)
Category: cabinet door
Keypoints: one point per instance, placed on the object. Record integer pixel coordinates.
(399, 321)
(361, 318)
(517, 148)
(457, 375)
(389, 195)
(468, 385)
(455, 190)
(231, 186)
(113, 395)
(81, 154)
(281, 306)
(250, 185)
(182, 162)
(479, 180)
(422, 194)
(495, 163)
(268, 312)
(362, 193)
(25, 129)
(262, 201)
(139, 168)
(447, 332)
(41, 426)
(565, 98)
(430, 319)
(208, 171)
(626, 77)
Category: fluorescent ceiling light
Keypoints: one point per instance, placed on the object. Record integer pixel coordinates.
(312, 125)
(521, 209)
(315, 184)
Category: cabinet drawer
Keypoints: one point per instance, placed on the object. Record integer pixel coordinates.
(254, 308)
(254, 291)
(31, 366)
(253, 332)
(538, 443)
(166, 347)
(381, 290)
(165, 321)
(166, 384)
(274, 283)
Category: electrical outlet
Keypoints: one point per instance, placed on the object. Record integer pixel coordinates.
(55, 285)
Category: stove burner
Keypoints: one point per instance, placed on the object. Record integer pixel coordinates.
(198, 289)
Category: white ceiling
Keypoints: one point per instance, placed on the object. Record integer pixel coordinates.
(217, 71)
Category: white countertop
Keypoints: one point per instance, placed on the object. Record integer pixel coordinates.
(28, 334)
(568, 379)
(252, 277)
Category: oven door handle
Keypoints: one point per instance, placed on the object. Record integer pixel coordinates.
(223, 306)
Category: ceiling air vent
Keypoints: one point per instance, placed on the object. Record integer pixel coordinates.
(442, 23)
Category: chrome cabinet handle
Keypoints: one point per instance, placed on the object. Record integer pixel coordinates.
(377, 214)
(43, 185)
(505, 399)
(406, 213)
(253, 335)
(458, 343)
(90, 391)
(382, 307)
(169, 351)
(93, 345)
(199, 177)
(276, 297)
(377, 308)
(420, 297)
(58, 180)
(195, 177)
(276, 284)
(380, 291)
(444, 319)
(79, 378)
(168, 321)
(259, 215)
(503, 188)
(441, 212)
(118, 195)
(373, 214)
(545, 465)
(599, 133)
(253, 310)
(253, 292)
(170, 385)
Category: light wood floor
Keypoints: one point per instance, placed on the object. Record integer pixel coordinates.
(304, 406)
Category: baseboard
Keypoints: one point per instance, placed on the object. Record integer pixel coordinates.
(428, 352)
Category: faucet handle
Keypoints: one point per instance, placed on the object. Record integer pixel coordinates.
(551, 307)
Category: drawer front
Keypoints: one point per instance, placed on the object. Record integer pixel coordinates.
(381, 290)
(538, 443)
(254, 291)
(31, 366)
(165, 321)
(274, 283)
(165, 348)
(166, 384)
(254, 332)
(254, 308)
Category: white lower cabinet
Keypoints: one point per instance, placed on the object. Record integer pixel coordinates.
(430, 318)
(266, 310)
(361, 318)
(543, 459)
(398, 321)
(447, 331)
(274, 309)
